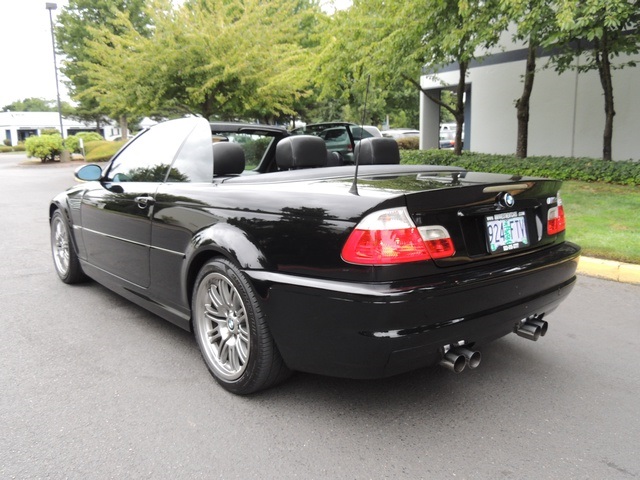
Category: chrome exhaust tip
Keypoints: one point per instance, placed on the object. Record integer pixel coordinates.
(454, 361)
(473, 357)
(529, 331)
(544, 326)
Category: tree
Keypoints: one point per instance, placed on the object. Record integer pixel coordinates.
(597, 32)
(76, 23)
(434, 33)
(34, 104)
(218, 58)
(531, 18)
(348, 58)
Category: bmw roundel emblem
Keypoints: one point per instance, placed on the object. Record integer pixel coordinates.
(506, 200)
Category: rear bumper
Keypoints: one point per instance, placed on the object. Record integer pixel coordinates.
(376, 330)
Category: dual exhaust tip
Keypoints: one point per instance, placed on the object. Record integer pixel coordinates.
(457, 359)
(532, 328)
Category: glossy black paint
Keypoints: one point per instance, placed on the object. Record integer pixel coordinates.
(285, 230)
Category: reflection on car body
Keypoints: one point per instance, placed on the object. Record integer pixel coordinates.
(282, 267)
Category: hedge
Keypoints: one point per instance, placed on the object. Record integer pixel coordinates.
(101, 151)
(408, 143)
(15, 148)
(560, 168)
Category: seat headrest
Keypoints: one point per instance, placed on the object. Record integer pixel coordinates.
(377, 151)
(301, 151)
(228, 159)
(334, 159)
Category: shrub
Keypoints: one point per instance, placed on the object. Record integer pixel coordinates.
(254, 149)
(19, 148)
(6, 142)
(89, 136)
(408, 143)
(72, 144)
(92, 145)
(101, 151)
(5, 149)
(50, 131)
(45, 147)
(561, 168)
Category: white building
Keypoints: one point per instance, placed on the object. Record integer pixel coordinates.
(17, 126)
(566, 113)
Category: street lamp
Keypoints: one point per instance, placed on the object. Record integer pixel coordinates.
(50, 7)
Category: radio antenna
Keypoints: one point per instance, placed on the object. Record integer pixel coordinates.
(356, 151)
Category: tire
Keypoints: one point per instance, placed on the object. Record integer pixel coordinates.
(65, 259)
(232, 332)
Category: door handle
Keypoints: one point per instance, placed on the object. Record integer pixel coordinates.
(144, 202)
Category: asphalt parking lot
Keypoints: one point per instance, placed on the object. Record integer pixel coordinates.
(94, 387)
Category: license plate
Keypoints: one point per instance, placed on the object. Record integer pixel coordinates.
(506, 231)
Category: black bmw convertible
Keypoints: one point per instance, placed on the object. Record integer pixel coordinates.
(283, 256)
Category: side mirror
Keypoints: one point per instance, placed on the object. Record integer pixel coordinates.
(88, 173)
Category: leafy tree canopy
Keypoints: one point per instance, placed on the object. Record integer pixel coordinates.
(218, 58)
(34, 104)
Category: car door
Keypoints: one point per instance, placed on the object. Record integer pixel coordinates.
(117, 213)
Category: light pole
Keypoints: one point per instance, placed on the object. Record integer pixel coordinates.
(50, 7)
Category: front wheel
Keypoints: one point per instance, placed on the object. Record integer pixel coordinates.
(65, 259)
(231, 331)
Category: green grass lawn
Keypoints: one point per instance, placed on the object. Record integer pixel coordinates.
(604, 219)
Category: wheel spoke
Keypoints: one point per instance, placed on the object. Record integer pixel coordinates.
(214, 295)
(214, 315)
(233, 357)
(243, 349)
(223, 350)
(214, 335)
(226, 294)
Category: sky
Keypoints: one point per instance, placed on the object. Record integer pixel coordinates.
(26, 69)
(26, 66)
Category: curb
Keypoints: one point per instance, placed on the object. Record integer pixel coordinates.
(610, 270)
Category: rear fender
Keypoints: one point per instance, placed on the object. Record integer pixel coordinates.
(223, 240)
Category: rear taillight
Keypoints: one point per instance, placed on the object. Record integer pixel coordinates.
(389, 237)
(438, 241)
(556, 222)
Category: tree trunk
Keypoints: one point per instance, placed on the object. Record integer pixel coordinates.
(206, 108)
(604, 69)
(124, 127)
(523, 103)
(459, 113)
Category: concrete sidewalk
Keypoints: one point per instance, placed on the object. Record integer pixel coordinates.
(611, 270)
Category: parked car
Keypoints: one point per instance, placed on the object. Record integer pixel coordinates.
(373, 130)
(400, 133)
(448, 127)
(340, 137)
(294, 265)
(447, 139)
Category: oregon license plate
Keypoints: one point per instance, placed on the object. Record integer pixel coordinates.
(506, 231)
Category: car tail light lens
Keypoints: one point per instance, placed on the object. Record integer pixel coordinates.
(438, 241)
(556, 222)
(390, 237)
